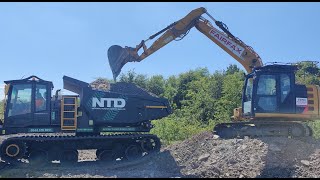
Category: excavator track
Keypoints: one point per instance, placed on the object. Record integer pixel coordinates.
(43, 149)
(262, 129)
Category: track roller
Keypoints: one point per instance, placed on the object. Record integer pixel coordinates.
(133, 152)
(105, 155)
(150, 145)
(69, 157)
(38, 157)
(12, 151)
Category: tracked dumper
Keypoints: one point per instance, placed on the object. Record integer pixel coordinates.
(115, 122)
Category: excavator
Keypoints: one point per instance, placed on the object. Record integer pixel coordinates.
(273, 104)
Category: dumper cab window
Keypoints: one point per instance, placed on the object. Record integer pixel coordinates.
(41, 101)
(20, 102)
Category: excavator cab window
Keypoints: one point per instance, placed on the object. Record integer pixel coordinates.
(266, 94)
(247, 96)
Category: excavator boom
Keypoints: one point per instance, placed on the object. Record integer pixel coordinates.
(244, 54)
(119, 56)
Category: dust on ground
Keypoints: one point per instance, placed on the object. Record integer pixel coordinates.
(203, 156)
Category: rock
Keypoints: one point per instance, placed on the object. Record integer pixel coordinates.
(194, 165)
(305, 162)
(232, 161)
(241, 176)
(215, 136)
(244, 146)
(273, 147)
(204, 157)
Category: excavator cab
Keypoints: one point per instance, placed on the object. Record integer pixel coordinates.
(27, 103)
(272, 105)
(270, 90)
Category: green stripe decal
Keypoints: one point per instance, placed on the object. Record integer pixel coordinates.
(118, 129)
(84, 130)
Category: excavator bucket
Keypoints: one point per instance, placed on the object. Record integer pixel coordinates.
(118, 57)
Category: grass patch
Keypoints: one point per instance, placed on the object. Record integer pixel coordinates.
(315, 126)
(171, 130)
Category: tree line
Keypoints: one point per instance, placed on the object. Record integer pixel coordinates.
(201, 99)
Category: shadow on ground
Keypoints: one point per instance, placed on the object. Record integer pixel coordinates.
(155, 166)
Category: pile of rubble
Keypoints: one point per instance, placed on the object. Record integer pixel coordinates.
(205, 156)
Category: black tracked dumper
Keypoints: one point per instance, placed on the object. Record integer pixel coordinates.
(115, 122)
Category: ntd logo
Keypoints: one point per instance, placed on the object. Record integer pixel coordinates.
(108, 103)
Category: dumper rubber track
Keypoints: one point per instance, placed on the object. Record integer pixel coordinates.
(42, 149)
(262, 129)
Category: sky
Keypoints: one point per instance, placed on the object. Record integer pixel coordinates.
(53, 39)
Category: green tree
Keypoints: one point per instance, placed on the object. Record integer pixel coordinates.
(232, 68)
(308, 73)
(1, 109)
(132, 77)
(183, 81)
(199, 104)
(231, 96)
(156, 85)
(128, 77)
(171, 90)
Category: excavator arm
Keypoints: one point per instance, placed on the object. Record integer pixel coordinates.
(244, 54)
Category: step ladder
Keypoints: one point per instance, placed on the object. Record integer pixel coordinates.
(69, 107)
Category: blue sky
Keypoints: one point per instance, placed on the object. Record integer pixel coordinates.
(55, 39)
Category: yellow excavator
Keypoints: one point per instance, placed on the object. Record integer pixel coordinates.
(273, 104)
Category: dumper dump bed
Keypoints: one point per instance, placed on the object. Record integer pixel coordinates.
(124, 104)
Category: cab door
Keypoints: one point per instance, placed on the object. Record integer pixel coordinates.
(266, 100)
(274, 93)
(41, 104)
(19, 112)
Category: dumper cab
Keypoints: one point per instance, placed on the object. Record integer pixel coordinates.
(27, 103)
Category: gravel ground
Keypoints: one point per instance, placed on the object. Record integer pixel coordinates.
(202, 156)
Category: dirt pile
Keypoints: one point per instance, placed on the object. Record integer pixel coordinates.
(120, 87)
(100, 84)
(309, 167)
(202, 156)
